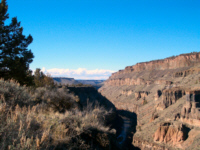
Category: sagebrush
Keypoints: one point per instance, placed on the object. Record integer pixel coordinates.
(49, 119)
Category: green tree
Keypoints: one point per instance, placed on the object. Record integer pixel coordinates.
(48, 81)
(14, 55)
(42, 80)
(38, 77)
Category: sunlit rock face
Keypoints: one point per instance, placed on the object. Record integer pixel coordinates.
(190, 113)
(170, 133)
(159, 91)
(184, 60)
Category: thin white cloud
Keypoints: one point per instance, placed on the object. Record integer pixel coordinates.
(80, 73)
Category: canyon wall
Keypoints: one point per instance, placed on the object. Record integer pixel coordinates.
(159, 91)
(190, 112)
(180, 61)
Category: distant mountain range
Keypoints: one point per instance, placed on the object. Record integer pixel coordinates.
(72, 81)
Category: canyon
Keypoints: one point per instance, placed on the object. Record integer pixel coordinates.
(164, 95)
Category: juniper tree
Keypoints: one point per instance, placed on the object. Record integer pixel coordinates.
(14, 55)
(42, 80)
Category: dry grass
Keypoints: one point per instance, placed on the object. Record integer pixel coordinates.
(51, 121)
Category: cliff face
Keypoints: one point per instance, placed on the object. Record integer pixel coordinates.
(190, 111)
(171, 133)
(158, 91)
(180, 61)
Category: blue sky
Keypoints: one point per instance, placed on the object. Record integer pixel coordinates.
(90, 39)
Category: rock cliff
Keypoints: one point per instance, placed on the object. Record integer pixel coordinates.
(184, 60)
(159, 91)
(171, 133)
(190, 112)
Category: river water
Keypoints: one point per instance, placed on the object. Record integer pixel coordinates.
(125, 130)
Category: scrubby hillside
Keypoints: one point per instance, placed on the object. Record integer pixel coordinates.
(165, 96)
(44, 118)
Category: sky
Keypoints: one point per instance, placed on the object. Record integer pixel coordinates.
(90, 39)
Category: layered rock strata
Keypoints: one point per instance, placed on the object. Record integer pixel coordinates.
(190, 112)
(137, 81)
(180, 61)
(186, 72)
(157, 91)
(170, 133)
(170, 96)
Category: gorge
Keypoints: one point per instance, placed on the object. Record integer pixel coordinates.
(164, 95)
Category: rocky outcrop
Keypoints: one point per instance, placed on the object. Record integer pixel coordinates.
(183, 60)
(185, 73)
(170, 133)
(154, 116)
(170, 96)
(190, 112)
(157, 95)
(141, 94)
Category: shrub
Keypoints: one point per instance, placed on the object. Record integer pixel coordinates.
(42, 80)
(12, 93)
(56, 99)
(30, 127)
(26, 128)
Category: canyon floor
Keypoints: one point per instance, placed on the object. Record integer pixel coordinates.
(164, 95)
